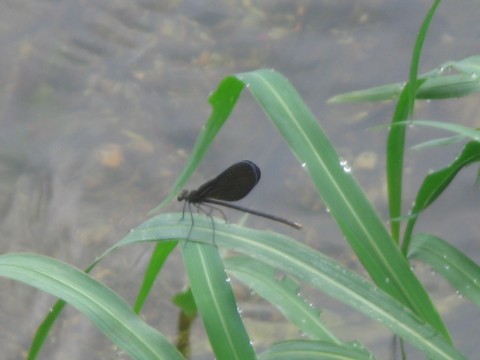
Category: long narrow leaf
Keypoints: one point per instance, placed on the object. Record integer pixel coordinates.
(435, 183)
(435, 87)
(308, 350)
(283, 293)
(159, 256)
(394, 159)
(44, 329)
(453, 265)
(464, 131)
(111, 314)
(216, 303)
(342, 195)
(396, 135)
(223, 101)
(469, 65)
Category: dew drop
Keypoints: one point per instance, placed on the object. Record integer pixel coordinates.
(344, 164)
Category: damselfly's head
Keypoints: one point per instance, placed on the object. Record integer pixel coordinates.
(183, 195)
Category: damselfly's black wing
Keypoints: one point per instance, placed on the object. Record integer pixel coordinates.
(231, 185)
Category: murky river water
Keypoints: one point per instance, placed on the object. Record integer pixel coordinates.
(101, 102)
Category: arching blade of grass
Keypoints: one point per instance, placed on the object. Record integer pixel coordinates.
(283, 293)
(434, 185)
(44, 329)
(223, 101)
(101, 305)
(155, 265)
(396, 134)
(305, 264)
(308, 350)
(448, 140)
(469, 66)
(435, 87)
(342, 195)
(216, 303)
(453, 265)
(394, 163)
(464, 131)
(437, 84)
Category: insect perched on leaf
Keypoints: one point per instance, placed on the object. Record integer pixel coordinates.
(232, 184)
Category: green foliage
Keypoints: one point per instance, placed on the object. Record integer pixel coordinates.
(395, 297)
(110, 313)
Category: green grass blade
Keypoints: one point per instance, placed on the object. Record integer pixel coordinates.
(458, 129)
(396, 135)
(159, 255)
(449, 140)
(434, 87)
(44, 329)
(448, 87)
(342, 195)
(216, 302)
(394, 165)
(308, 350)
(283, 293)
(417, 50)
(376, 93)
(307, 265)
(184, 300)
(469, 65)
(223, 101)
(435, 183)
(457, 268)
(157, 260)
(111, 314)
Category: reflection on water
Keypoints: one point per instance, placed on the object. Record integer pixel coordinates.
(102, 100)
